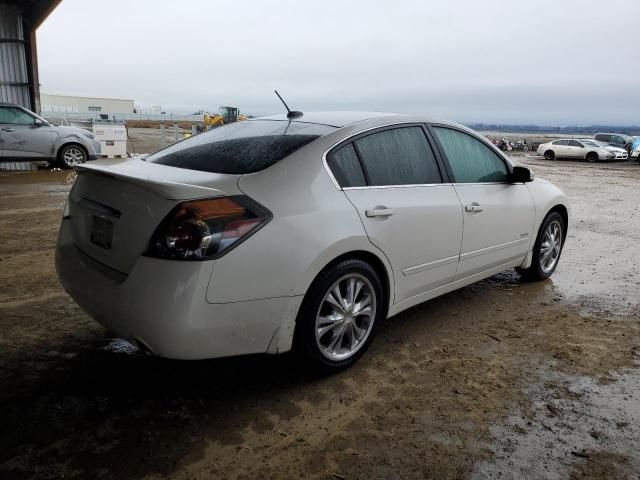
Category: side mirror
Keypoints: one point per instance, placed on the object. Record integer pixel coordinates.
(38, 123)
(522, 174)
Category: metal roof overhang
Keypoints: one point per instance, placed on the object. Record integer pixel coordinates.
(34, 11)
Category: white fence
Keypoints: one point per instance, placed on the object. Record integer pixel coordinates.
(167, 117)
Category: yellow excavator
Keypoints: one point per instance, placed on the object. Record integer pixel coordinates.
(225, 115)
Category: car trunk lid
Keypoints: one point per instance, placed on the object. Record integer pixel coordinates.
(116, 205)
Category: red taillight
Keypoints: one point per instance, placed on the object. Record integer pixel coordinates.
(205, 229)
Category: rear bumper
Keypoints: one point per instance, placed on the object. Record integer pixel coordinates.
(162, 304)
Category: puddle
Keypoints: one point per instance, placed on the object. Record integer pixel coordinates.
(572, 423)
(120, 346)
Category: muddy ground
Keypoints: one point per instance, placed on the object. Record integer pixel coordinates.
(501, 379)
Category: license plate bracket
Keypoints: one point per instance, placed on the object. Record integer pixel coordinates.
(101, 232)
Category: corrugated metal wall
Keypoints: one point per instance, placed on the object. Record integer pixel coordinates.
(14, 77)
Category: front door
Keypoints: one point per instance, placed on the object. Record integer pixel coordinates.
(406, 209)
(22, 138)
(498, 215)
(575, 149)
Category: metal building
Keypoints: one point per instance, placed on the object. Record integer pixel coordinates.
(19, 20)
(52, 104)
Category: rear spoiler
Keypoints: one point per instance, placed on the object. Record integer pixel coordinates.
(186, 184)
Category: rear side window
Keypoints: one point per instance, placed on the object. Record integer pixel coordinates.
(603, 138)
(242, 147)
(471, 160)
(400, 156)
(346, 167)
(561, 142)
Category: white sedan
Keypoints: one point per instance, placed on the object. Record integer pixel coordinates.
(584, 149)
(304, 233)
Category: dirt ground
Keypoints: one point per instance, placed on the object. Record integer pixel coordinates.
(501, 379)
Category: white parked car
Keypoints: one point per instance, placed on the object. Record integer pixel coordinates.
(621, 153)
(585, 149)
(275, 233)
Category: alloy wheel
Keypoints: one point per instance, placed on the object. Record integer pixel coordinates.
(73, 156)
(551, 246)
(345, 317)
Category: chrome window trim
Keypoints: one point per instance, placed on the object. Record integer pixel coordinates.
(345, 139)
(486, 183)
(369, 187)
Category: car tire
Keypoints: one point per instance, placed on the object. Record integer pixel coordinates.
(547, 249)
(549, 155)
(71, 155)
(333, 330)
(592, 157)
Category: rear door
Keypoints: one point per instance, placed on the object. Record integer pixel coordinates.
(408, 209)
(560, 148)
(498, 215)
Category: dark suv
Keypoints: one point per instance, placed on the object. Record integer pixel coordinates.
(615, 140)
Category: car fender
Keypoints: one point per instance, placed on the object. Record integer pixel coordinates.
(546, 196)
(63, 136)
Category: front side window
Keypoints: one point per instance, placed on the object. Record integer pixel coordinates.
(399, 156)
(15, 116)
(242, 147)
(471, 160)
(574, 143)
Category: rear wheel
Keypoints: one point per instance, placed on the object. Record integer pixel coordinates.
(547, 249)
(592, 157)
(549, 155)
(72, 155)
(339, 315)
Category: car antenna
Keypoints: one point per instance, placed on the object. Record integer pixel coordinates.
(290, 113)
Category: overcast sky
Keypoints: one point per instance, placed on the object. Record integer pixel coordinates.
(551, 62)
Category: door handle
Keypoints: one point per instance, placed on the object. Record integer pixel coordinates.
(473, 208)
(7, 129)
(379, 212)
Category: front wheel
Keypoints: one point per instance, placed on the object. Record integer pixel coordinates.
(592, 157)
(72, 155)
(547, 249)
(339, 315)
(549, 155)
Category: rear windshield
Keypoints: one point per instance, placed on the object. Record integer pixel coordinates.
(242, 147)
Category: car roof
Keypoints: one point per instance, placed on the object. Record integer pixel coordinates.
(5, 104)
(618, 134)
(336, 119)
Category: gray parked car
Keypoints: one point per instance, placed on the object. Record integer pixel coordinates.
(26, 136)
(615, 140)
